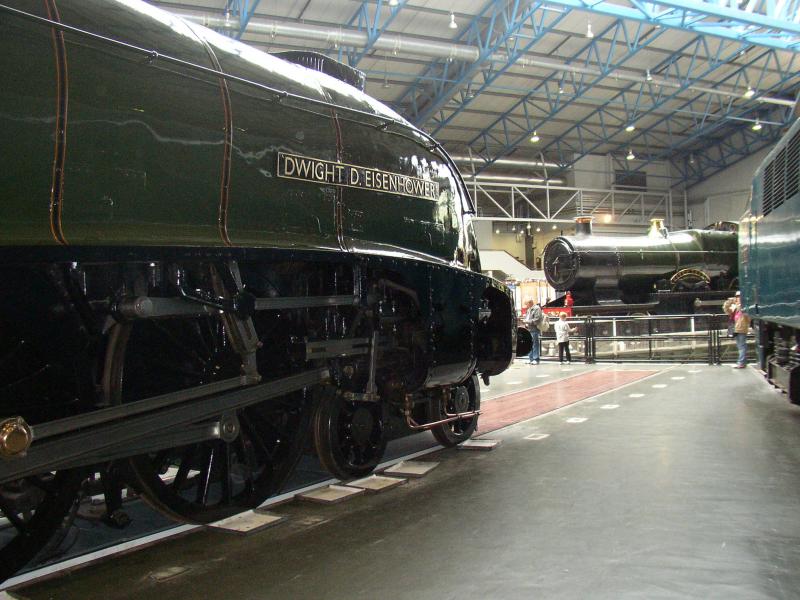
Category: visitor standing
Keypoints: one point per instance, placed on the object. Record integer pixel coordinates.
(741, 325)
(563, 330)
(533, 320)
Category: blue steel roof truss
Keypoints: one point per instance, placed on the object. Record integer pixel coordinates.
(649, 96)
(375, 23)
(761, 22)
(510, 38)
(242, 11)
(560, 90)
(508, 29)
(479, 32)
(716, 119)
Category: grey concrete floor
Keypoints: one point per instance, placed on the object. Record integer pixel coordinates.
(690, 490)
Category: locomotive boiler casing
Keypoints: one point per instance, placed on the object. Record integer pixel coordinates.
(769, 237)
(129, 131)
(599, 267)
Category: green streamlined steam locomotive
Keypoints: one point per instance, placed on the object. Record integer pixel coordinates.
(207, 253)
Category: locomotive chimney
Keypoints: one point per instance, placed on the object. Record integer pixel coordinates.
(657, 228)
(583, 226)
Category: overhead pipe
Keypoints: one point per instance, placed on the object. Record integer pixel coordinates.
(511, 179)
(396, 44)
(505, 162)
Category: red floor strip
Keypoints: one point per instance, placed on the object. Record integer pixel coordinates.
(519, 406)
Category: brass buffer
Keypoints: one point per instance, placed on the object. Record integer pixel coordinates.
(15, 437)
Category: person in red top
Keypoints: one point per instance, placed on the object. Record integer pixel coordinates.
(568, 301)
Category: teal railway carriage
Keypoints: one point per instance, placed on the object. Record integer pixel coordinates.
(769, 247)
(209, 257)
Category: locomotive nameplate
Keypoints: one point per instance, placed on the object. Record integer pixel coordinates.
(304, 168)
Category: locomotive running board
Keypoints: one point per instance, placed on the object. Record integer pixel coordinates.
(79, 445)
(148, 307)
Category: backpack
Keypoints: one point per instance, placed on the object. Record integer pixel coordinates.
(544, 324)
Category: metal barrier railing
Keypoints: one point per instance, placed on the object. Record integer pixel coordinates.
(663, 338)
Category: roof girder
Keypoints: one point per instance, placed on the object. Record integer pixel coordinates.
(778, 27)
(630, 38)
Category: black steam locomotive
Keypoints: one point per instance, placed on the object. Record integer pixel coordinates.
(208, 253)
(663, 272)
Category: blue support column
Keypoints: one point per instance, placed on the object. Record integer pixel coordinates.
(363, 20)
(431, 83)
(241, 11)
(503, 37)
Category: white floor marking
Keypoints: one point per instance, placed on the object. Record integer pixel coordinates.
(537, 436)
(659, 385)
(543, 375)
(609, 406)
(635, 395)
(577, 419)
(678, 377)
(512, 382)
(695, 371)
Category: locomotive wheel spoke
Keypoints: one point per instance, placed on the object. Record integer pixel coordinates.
(11, 514)
(44, 514)
(212, 479)
(186, 351)
(257, 441)
(38, 382)
(225, 476)
(183, 469)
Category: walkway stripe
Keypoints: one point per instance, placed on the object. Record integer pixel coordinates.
(526, 404)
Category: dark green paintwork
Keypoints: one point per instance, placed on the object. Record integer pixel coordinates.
(145, 144)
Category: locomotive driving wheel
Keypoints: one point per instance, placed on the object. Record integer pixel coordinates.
(258, 447)
(38, 511)
(42, 362)
(350, 437)
(459, 399)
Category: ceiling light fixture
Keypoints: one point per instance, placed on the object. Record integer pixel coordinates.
(560, 89)
(453, 24)
(630, 127)
(630, 156)
(534, 137)
(538, 229)
(607, 218)
(749, 93)
(386, 85)
(691, 159)
(757, 125)
(589, 32)
(647, 76)
(554, 227)
(393, 3)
